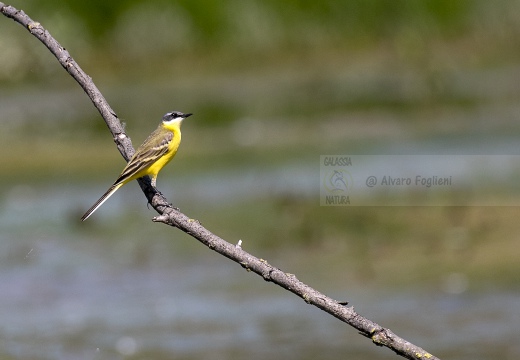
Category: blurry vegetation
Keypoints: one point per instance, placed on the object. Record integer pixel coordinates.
(134, 32)
(267, 77)
(249, 60)
(294, 59)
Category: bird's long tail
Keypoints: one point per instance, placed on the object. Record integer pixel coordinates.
(101, 200)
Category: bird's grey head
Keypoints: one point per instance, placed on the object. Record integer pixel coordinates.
(174, 116)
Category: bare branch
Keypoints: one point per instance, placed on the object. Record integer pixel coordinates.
(173, 217)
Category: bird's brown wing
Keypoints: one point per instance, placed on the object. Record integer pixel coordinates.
(144, 158)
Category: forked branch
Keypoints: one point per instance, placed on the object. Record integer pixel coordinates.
(170, 216)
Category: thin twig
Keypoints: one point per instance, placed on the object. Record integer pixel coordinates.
(171, 216)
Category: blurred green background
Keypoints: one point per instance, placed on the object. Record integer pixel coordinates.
(273, 85)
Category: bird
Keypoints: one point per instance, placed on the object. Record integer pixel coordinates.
(149, 158)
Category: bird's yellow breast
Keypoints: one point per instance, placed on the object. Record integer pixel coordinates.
(173, 146)
(154, 169)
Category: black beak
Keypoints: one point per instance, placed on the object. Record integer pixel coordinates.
(187, 115)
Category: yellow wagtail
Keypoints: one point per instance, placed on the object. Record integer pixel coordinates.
(149, 158)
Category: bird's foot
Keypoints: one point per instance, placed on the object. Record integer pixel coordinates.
(157, 191)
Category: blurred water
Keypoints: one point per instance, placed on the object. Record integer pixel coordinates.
(63, 298)
(94, 292)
